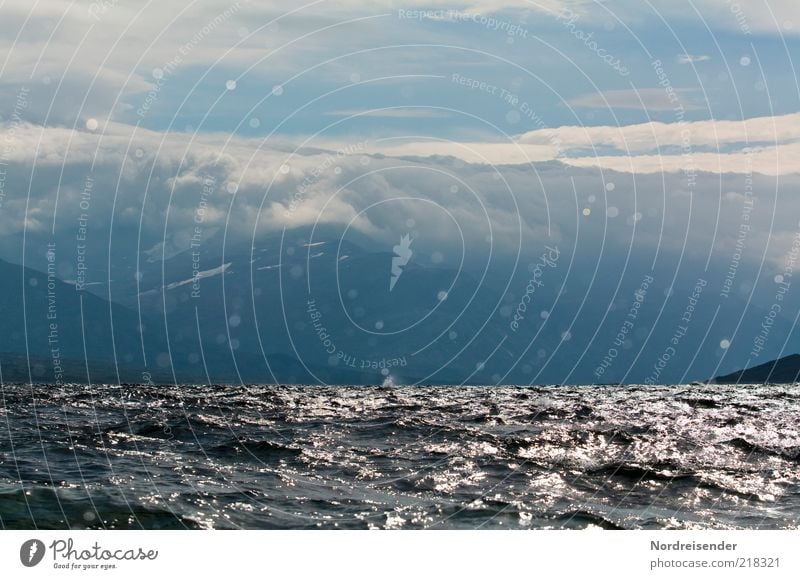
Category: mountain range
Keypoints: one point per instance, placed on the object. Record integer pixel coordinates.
(312, 306)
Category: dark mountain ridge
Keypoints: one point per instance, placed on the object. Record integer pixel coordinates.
(784, 370)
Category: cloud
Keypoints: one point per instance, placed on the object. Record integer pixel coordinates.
(759, 17)
(767, 161)
(749, 18)
(648, 136)
(692, 58)
(97, 59)
(474, 6)
(392, 113)
(157, 179)
(645, 99)
(158, 175)
(150, 187)
(766, 145)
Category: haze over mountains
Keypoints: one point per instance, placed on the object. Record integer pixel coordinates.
(217, 192)
(314, 306)
(191, 271)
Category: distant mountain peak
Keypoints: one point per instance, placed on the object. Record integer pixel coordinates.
(784, 370)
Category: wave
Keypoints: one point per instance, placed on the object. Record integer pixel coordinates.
(405, 457)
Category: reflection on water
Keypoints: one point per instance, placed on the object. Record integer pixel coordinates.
(404, 457)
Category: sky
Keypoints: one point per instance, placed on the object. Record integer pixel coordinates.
(646, 128)
(390, 67)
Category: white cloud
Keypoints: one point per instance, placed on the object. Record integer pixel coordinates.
(692, 58)
(746, 17)
(767, 145)
(644, 99)
(754, 17)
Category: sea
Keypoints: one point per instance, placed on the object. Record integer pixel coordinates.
(395, 457)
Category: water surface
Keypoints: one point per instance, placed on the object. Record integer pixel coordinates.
(307, 457)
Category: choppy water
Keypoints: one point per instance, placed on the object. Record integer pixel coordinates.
(408, 457)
